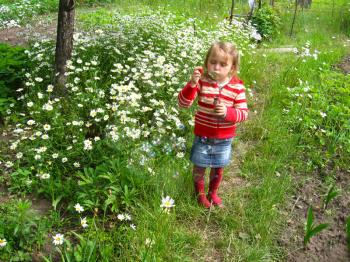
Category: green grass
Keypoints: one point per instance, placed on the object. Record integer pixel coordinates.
(316, 24)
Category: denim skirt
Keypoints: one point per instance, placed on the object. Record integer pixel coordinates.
(211, 152)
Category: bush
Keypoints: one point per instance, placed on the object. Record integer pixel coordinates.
(345, 24)
(122, 86)
(13, 63)
(17, 13)
(267, 22)
(22, 229)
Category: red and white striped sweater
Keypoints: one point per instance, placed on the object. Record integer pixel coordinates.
(207, 124)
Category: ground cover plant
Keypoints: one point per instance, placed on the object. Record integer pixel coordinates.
(24, 230)
(13, 62)
(17, 13)
(322, 118)
(113, 162)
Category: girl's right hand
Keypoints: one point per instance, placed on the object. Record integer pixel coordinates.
(198, 71)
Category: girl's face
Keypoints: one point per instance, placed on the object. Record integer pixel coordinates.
(219, 65)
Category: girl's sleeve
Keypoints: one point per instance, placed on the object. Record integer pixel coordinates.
(239, 112)
(187, 95)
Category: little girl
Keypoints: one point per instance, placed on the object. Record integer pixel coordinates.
(221, 104)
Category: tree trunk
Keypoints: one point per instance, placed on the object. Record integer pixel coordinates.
(231, 13)
(295, 14)
(259, 4)
(251, 10)
(64, 43)
(305, 3)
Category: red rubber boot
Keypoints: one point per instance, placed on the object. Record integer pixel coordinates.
(215, 179)
(198, 178)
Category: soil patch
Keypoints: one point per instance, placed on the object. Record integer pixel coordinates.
(43, 29)
(286, 49)
(331, 243)
(40, 206)
(345, 65)
(4, 197)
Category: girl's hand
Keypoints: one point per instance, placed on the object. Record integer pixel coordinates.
(198, 71)
(220, 109)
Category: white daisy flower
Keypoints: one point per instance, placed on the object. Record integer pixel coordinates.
(78, 208)
(3, 242)
(58, 239)
(83, 222)
(167, 202)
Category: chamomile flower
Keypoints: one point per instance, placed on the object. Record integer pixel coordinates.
(19, 155)
(180, 154)
(47, 127)
(8, 164)
(45, 176)
(47, 107)
(149, 242)
(55, 155)
(78, 208)
(167, 202)
(83, 222)
(121, 217)
(30, 122)
(87, 145)
(3, 242)
(58, 239)
(49, 88)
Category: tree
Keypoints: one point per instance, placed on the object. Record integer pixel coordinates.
(64, 43)
(294, 16)
(231, 12)
(251, 9)
(305, 3)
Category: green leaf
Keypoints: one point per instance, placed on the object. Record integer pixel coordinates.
(332, 193)
(314, 232)
(78, 257)
(310, 219)
(318, 229)
(56, 201)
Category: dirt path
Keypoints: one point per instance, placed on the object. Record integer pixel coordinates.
(45, 27)
(345, 65)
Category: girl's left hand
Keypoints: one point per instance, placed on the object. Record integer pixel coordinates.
(220, 110)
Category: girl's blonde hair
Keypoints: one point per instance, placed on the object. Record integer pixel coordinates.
(229, 49)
